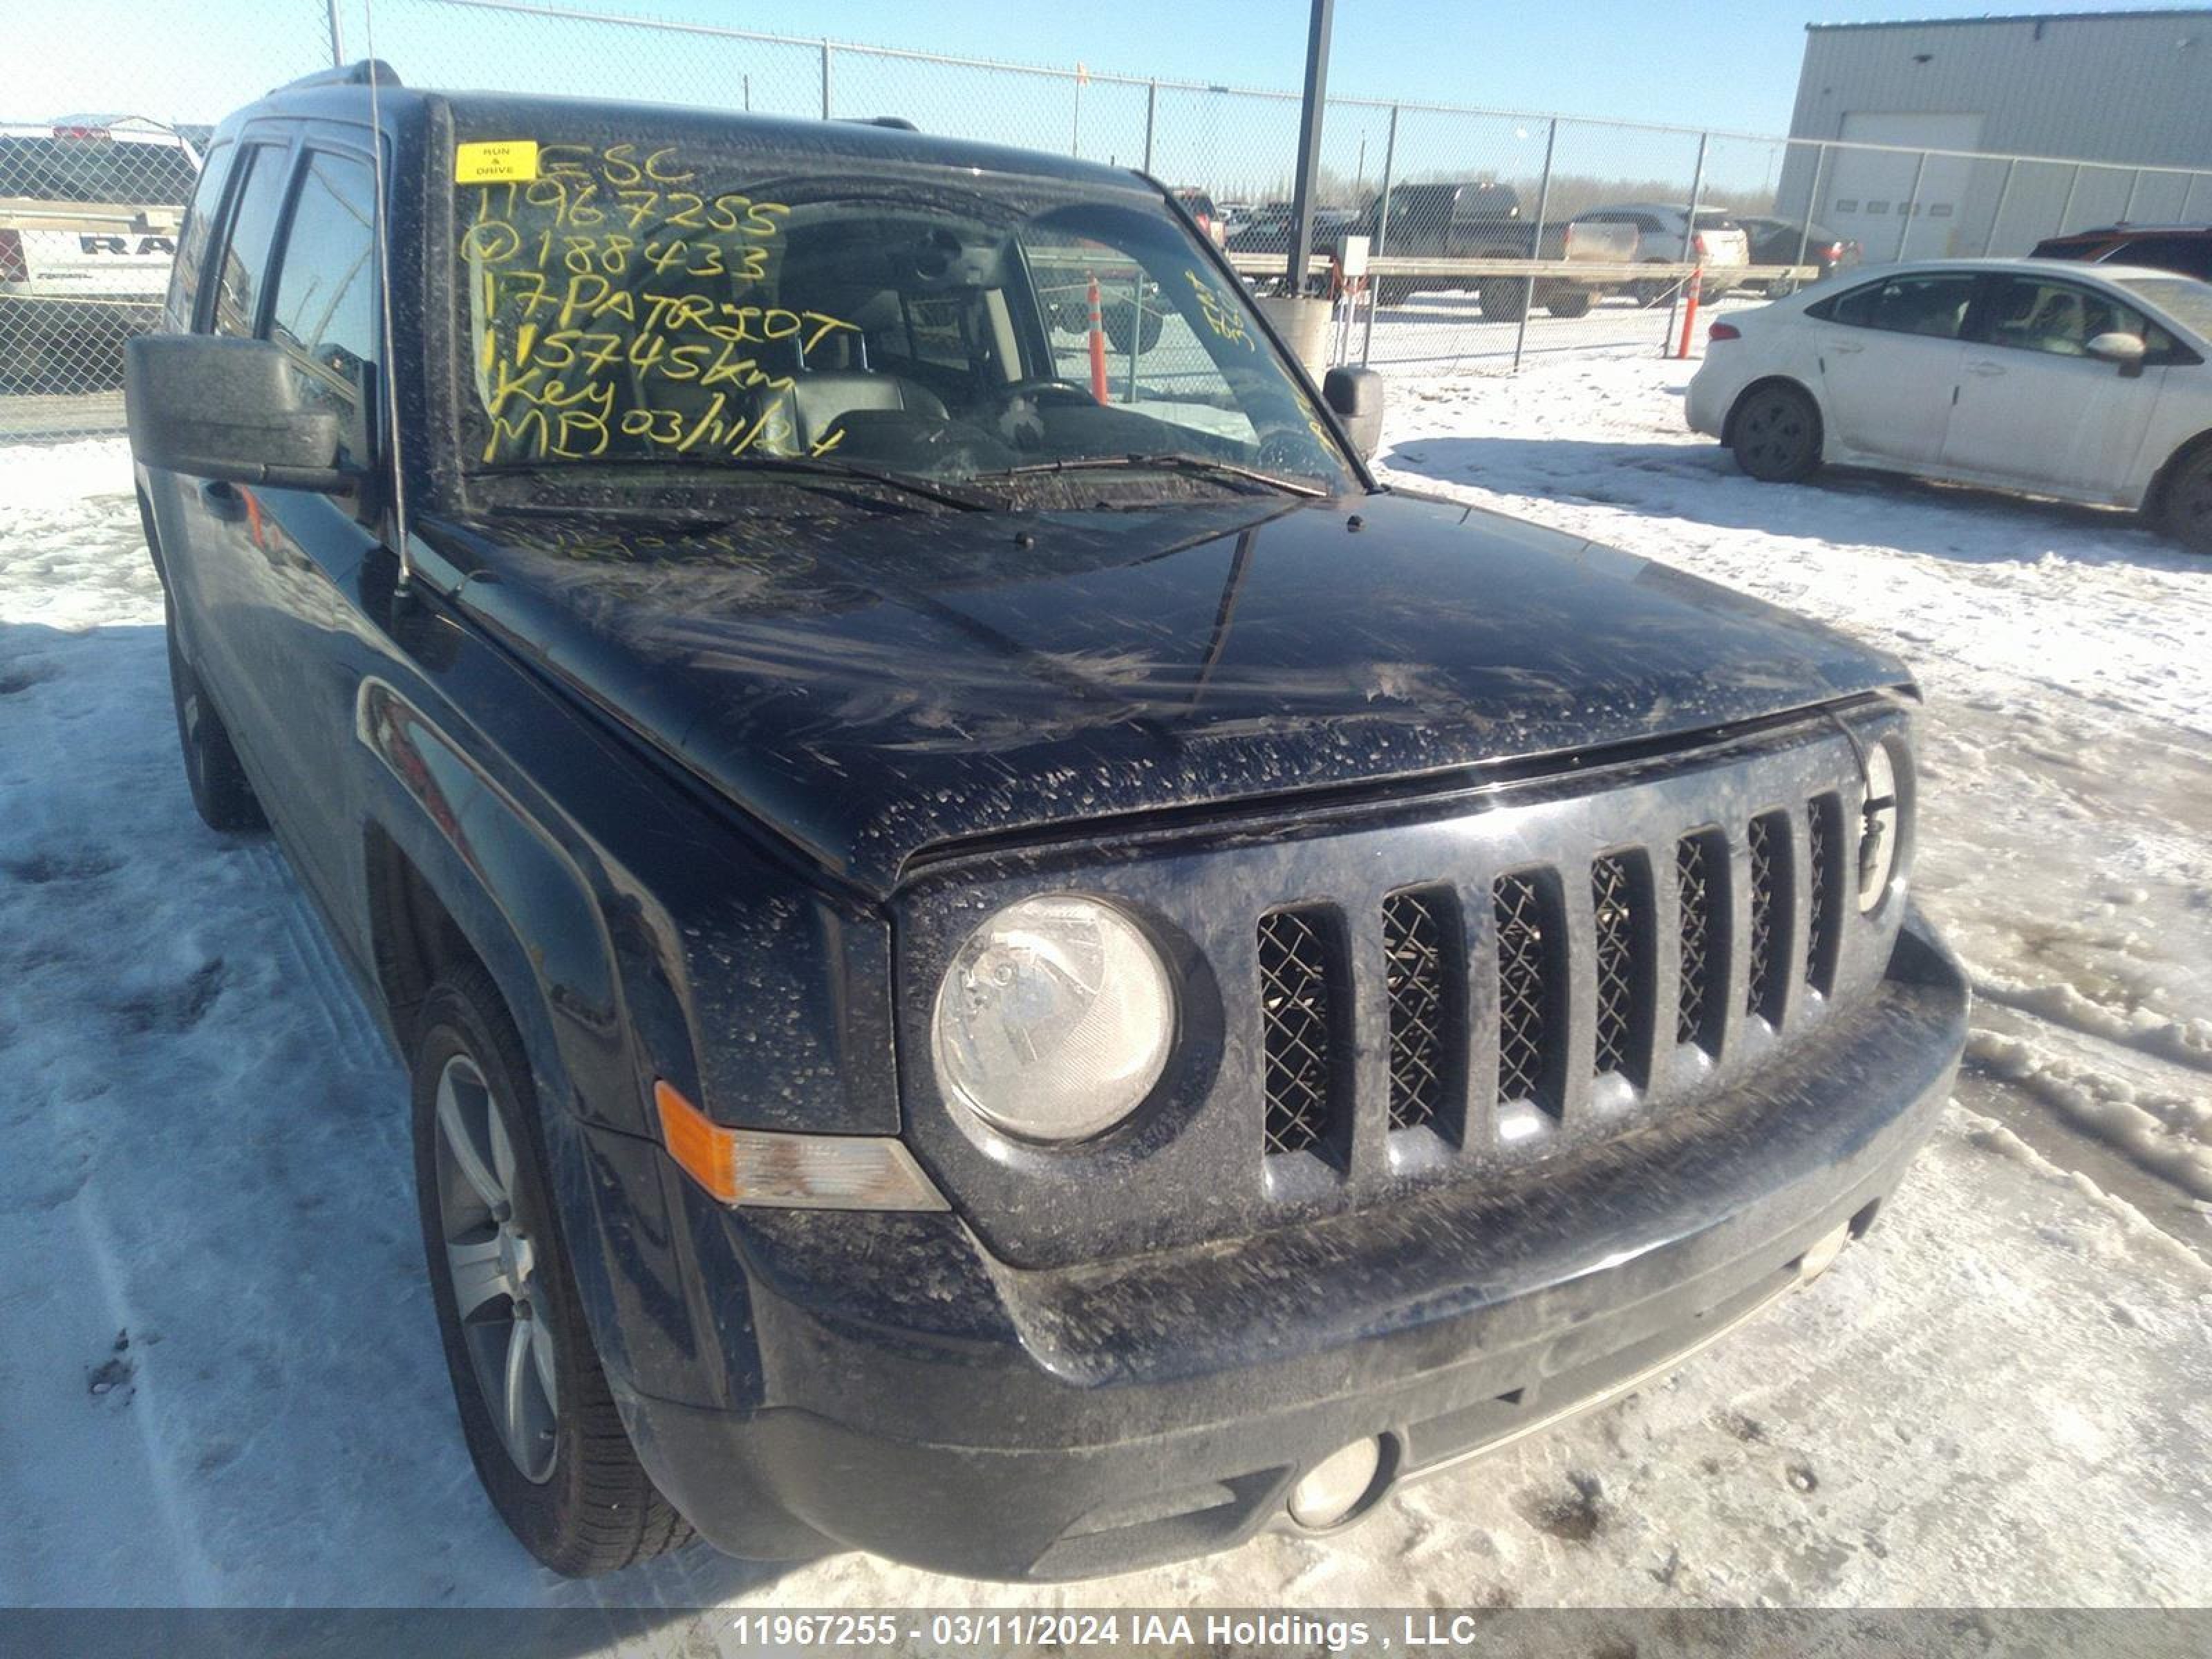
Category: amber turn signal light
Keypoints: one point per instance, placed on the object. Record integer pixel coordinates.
(791, 1171)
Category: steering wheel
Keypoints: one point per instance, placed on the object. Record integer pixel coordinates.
(1046, 388)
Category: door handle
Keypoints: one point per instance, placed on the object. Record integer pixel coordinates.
(1983, 367)
(222, 501)
(1845, 348)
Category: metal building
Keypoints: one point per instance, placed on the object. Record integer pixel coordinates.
(2130, 88)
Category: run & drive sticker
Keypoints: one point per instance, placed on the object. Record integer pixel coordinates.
(495, 163)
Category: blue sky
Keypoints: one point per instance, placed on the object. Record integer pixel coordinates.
(1730, 63)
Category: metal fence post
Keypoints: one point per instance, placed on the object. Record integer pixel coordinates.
(2004, 190)
(1811, 202)
(825, 79)
(338, 35)
(1151, 116)
(2066, 211)
(1689, 238)
(1912, 204)
(1536, 247)
(1075, 131)
(1381, 237)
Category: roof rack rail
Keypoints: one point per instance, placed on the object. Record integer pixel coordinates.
(897, 123)
(359, 73)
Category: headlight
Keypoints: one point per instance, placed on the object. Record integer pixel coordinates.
(1054, 1019)
(1878, 820)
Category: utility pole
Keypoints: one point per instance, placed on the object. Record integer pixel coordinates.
(1301, 198)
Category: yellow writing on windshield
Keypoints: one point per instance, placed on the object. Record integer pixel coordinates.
(614, 300)
(1220, 315)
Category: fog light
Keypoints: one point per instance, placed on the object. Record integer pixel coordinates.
(1821, 1255)
(1339, 1485)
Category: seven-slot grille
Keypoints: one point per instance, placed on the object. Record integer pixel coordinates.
(1430, 954)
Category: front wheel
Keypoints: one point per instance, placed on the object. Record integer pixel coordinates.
(540, 1424)
(2186, 513)
(1775, 434)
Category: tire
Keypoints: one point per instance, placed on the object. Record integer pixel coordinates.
(1653, 291)
(220, 794)
(2185, 507)
(1115, 317)
(1775, 432)
(1569, 302)
(566, 1480)
(1501, 299)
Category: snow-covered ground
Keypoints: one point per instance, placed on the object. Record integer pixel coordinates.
(220, 1381)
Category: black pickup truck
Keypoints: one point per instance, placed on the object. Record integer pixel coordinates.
(1003, 959)
(1484, 220)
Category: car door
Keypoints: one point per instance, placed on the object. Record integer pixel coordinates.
(203, 522)
(2034, 409)
(1889, 354)
(303, 547)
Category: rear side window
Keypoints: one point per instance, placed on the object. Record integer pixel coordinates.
(1934, 306)
(325, 314)
(199, 231)
(256, 205)
(96, 169)
(2189, 255)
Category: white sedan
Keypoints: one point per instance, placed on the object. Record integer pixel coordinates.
(2094, 384)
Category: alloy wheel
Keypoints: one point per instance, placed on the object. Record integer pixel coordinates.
(491, 1263)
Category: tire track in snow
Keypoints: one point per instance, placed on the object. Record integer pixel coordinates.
(90, 1237)
(322, 977)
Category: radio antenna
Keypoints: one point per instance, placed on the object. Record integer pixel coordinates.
(388, 382)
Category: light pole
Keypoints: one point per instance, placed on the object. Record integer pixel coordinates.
(1301, 198)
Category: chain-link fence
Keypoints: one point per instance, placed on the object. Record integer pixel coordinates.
(1494, 236)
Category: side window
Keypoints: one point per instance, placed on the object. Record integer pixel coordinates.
(2029, 313)
(199, 230)
(326, 311)
(255, 207)
(1932, 306)
(2189, 255)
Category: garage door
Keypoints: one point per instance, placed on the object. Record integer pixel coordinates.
(1870, 195)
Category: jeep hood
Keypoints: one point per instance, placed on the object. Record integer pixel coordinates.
(869, 687)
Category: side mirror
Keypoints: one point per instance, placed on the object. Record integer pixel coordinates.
(2126, 349)
(1356, 397)
(228, 409)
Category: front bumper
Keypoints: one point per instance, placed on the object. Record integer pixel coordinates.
(926, 1402)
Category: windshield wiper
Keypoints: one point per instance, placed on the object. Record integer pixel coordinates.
(1171, 461)
(797, 467)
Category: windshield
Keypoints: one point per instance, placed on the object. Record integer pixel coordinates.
(750, 315)
(2188, 302)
